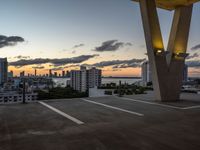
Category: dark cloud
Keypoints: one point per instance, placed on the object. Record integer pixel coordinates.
(65, 67)
(196, 47)
(79, 45)
(38, 67)
(120, 63)
(10, 40)
(74, 47)
(24, 62)
(22, 57)
(193, 64)
(111, 45)
(128, 44)
(131, 65)
(55, 65)
(74, 66)
(56, 62)
(195, 55)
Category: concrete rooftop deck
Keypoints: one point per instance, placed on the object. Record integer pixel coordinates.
(107, 123)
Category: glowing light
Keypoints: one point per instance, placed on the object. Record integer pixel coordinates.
(159, 51)
(180, 56)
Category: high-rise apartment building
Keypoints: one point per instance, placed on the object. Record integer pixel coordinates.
(3, 70)
(185, 73)
(67, 74)
(22, 74)
(63, 73)
(35, 72)
(55, 74)
(94, 77)
(83, 79)
(75, 76)
(146, 73)
(50, 73)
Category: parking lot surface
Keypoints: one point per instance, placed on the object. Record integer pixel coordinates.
(104, 123)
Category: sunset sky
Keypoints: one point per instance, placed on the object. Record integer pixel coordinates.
(63, 34)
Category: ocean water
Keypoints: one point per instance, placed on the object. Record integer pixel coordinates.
(62, 81)
(116, 80)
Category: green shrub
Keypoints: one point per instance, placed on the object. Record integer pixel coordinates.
(59, 93)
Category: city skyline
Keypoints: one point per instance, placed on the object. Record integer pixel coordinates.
(65, 34)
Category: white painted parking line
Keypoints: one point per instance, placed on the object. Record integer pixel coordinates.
(112, 107)
(150, 103)
(191, 107)
(62, 113)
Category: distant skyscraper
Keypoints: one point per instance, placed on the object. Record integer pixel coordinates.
(22, 74)
(35, 72)
(146, 73)
(83, 79)
(10, 74)
(63, 73)
(50, 73)
(3, 70)
(55, 74)
(185, 73)
(67, 74)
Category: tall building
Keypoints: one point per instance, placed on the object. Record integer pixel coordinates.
(63, 73)
(94, 77)
(146, 73)
(35, 72)
(79, 80)
(185, 73)
(83, 79)
(55, 74)
(50, 73)
(22, 74)
(10, 74)
(3, 70)
(67, 74)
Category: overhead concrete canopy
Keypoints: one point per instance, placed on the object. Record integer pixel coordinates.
(172, 4)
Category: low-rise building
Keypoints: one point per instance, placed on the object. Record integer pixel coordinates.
(12, 97)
